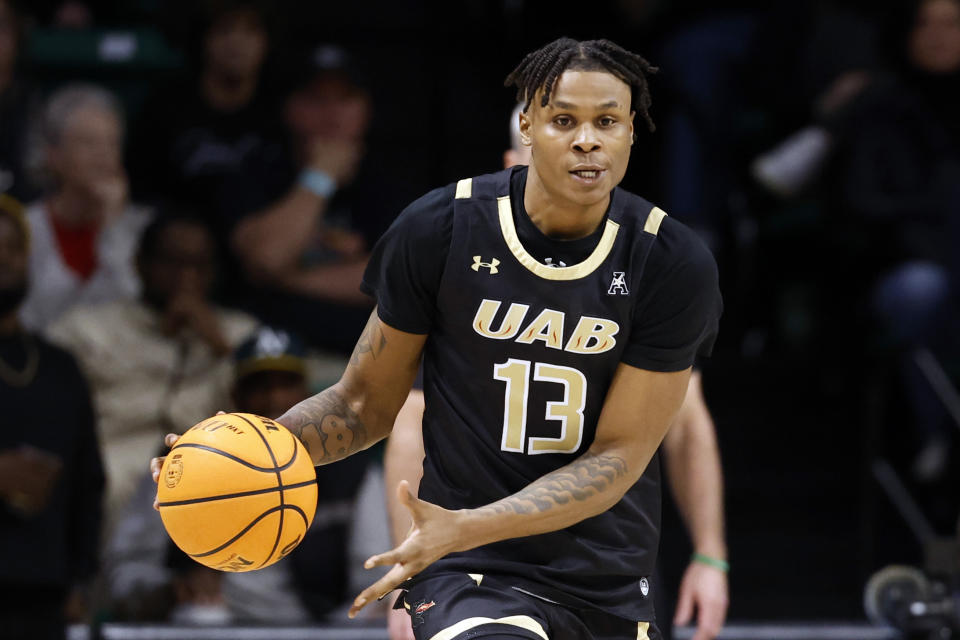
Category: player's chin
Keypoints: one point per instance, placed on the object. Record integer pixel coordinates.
(587, 195)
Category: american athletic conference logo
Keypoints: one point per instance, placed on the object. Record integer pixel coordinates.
(618, 284)
(478, 262)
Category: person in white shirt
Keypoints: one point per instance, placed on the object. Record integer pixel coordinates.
(84, 230)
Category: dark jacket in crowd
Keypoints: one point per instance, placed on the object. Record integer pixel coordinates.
(57, 547)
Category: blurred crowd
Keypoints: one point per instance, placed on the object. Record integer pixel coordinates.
(190, 237)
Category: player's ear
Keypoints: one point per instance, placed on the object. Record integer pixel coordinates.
(525, 124)
(633, 135)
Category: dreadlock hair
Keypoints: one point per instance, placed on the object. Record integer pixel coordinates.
(540, 70)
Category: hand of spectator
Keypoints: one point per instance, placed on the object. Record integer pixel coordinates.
(399, 626)
(157, 463)
(188, 309)
(842, 91)
(112, 193)
(705, 589)
(338, 159)
(433, 535)
(27, 478)
(348, 244)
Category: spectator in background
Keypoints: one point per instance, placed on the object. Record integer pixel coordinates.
(271, 373)
(147, 576)
(894, 179)
(302, 235)
(702, 64)
(17, 103)
(51, 481)
(84, 230)
(207, 125)
(159, 363)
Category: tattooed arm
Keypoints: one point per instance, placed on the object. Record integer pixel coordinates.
(360, 408)
(638, 410)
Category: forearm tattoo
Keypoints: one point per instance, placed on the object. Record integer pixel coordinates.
(326, 426)
(580, 480)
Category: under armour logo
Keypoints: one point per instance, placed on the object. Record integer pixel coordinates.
(492, 265)
(618, 284)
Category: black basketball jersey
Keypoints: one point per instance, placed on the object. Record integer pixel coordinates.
(517, 365)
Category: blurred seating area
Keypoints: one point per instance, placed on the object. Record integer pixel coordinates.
(189, 189)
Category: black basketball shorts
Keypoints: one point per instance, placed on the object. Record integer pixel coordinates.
(457, 606)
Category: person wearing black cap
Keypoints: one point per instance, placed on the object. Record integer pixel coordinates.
(147, 575)
(271, 375)
(302, 238)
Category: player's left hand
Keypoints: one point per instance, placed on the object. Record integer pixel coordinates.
(434, 533)
(705, 589)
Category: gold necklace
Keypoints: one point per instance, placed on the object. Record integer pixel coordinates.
(22, 378)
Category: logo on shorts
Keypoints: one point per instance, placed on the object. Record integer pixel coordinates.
(423, 606)
(174, 471)
(418, 611)
(644, 587)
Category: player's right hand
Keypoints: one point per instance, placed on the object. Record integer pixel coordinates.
(157, 463)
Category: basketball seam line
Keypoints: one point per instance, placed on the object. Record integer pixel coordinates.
(276, 468)
(196, 445)
(263, 515)
(242, 494)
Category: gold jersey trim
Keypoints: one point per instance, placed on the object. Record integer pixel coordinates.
(642, 628)
(464, 189)
(575, 272)
(654, 219)
(524, 622)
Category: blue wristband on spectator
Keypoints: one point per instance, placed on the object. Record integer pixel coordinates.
(317, 183)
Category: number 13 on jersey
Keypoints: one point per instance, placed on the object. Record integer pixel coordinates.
(568, 412)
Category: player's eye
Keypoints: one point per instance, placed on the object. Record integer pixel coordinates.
(563, 121)
(607, 121)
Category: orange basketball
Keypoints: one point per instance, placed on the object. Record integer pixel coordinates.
(237, 492)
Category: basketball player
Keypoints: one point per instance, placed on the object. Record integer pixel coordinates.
(693, 473)
(548, 390)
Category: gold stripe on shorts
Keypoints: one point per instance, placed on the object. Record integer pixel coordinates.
(642, 628)
(524, 622)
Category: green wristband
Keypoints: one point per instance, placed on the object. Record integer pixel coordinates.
(716, 563)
